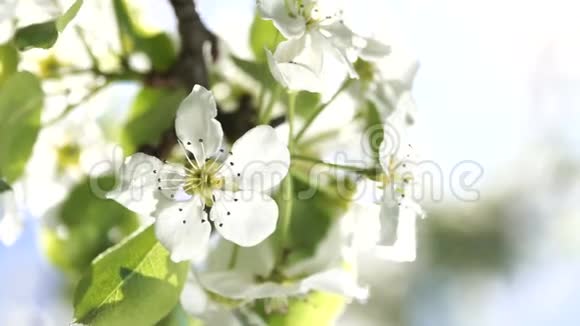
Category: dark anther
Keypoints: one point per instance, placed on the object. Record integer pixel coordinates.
(231, 153)
(202, 221)
(172, 196)
(159, 188)
(213, 197)
(154, 171)
(229, 213)
(200, 140)
(232, 163)
(235, 199)
(221, 224)
(159, 180)
(181, 209)
(184, 222)
(239, 174)
(188, 143)
(221, 150)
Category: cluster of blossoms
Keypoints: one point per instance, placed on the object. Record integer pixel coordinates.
(229, 189)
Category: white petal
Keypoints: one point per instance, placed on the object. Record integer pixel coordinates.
(374, 50)
(276, 10)
(10, 219)
(288, 50)
(195, 125)
(335, 281)
(244, 217)
(364, 224)
(294, 76)
(405, 248)
(257, 260)
(138, 184)
(193, 299)
(183, 228)
(242, 286)
(259, 160)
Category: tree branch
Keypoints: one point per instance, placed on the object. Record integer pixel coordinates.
(190, 67)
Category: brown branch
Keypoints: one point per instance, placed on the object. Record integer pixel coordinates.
(190, 66)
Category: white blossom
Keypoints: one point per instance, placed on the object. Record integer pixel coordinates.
(235, 183)
(312, 28)
(64, 153)
(399, 161)
(245, 275)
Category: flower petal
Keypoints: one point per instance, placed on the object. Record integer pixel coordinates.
(336, 281)
(405, 247)
(193, 298)
(259, 160)
(244, 217)
(294, 76)
(183, 228)
(138, 178)
(235, 285)
(285, 19)
(374, 50)
(195, 125)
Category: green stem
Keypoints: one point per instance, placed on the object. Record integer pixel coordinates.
(357, 169)
(267, 113)
(287, 187)
(233, 257)
(319, 110)
(83, 100)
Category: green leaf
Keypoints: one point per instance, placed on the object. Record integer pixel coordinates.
(69, 15)
(8, 61)
(306, 102)
(263, 35)
(137, 38)
(133, 283)
(152, 114)
(21, 100)
(375, 125)
(315, 208)
(315, 309)
(257, 70)
(41, 35)
(4, 186)
(91, 225)
(44, 35)
(178, 317)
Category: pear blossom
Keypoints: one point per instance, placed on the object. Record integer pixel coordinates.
(245, 276)
(312, 28)
(234, 184)
(64, 153)
(399, 162)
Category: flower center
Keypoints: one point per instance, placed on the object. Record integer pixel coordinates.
(204, 180)
(68, 156)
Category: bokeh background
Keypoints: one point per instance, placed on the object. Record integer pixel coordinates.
(499, 84)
